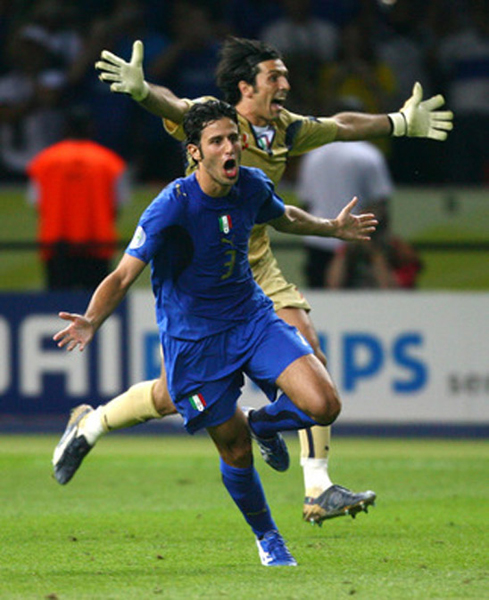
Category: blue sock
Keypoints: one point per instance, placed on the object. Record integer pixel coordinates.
(244, 487)
(281, 415)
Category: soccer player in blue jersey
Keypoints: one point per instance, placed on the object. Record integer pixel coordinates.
(253, 77)
(215, 322)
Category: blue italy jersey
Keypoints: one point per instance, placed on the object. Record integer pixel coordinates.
(198, 249)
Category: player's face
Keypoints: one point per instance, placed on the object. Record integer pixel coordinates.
(218, 156)
(270, 90)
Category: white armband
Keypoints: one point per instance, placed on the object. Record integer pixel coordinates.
(399, 124)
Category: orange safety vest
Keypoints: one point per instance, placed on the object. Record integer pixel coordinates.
(77, 204)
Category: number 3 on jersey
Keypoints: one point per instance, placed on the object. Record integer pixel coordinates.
(230, 255)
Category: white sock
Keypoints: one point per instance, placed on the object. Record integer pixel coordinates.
(316, 477)
(92, 427)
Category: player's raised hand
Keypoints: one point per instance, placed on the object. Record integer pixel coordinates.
(78, 333)
(418, 118)
(124, 77)
(354, 228)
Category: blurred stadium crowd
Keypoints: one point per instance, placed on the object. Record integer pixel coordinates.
(368, 51)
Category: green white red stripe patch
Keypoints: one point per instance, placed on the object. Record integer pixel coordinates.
(225, 223)
(197, 402)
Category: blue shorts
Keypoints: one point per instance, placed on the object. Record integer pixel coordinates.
(205, 377)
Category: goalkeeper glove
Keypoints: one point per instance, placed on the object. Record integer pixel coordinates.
(126, 77)
(420, 119)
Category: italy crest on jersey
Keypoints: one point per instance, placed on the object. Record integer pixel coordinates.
(225, 223)
(197, 402)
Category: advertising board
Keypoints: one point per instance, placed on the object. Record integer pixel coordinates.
(396, 358)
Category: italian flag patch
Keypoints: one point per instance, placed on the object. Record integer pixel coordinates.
(197, 402)
(225, 223)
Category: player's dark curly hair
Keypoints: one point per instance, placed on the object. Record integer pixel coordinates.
(203, 113)
(239, 59)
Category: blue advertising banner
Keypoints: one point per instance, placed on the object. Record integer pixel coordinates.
(408, 361)
(37, 377)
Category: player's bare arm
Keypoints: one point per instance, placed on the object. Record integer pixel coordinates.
(163, 103)
(345, 226)
(417, 118)
(128, 78)
(104, 301)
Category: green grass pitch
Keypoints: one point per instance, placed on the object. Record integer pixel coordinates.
(148, 517)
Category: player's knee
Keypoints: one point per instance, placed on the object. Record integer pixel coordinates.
(238, 454)
(328, 407)
(334, 409)
(161, 399)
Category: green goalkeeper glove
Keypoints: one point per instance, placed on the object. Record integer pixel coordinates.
(420, 119)
(126, 77)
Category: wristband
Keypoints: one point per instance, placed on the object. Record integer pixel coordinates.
(398, 123)
(144, 93)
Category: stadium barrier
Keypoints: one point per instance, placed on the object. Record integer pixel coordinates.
(404, 363)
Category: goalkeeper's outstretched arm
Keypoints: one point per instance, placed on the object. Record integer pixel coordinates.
(128, 78)
(417, 118)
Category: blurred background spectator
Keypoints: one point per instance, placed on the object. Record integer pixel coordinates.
(247, 18)
(359, 73)
(329, 177)
(404, 44)
(77, 187)
(119, 124)
(463, 59)
(30, 95)
(387, 262)
(188, 64)
(59, 22)
(306, 42)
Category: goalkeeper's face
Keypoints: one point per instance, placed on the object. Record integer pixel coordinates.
(270, 90)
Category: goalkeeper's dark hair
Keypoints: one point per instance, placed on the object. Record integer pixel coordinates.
(239, 60)
(203, 113)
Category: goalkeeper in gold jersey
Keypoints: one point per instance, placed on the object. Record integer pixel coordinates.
(253, 77)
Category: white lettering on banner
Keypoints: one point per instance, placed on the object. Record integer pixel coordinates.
(37, 361)
(5, 358)
(110, 357)
(144, 359)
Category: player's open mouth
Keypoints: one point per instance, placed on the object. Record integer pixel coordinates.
(231, 168)
(278, 103)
